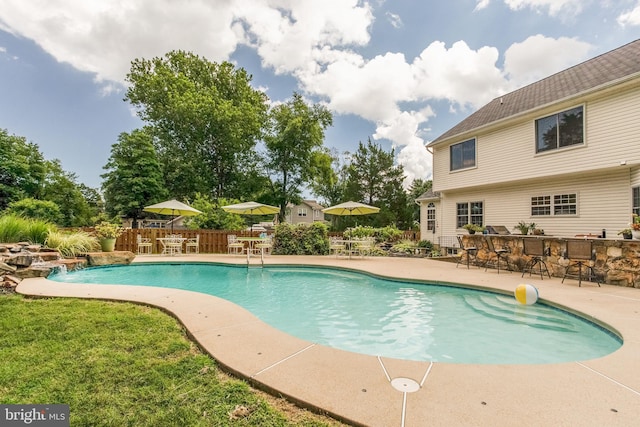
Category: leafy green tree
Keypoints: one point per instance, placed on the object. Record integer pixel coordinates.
(294, 148)
(328, 177)
(213, 217)
(45, 210)
(22, 169)
(207, 118)
(375, 180)
(61, 187)
(134, 176)
(418, 188)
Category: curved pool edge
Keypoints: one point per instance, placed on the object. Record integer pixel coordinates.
(356, 388)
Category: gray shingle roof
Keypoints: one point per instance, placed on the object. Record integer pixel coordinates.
(608, 67)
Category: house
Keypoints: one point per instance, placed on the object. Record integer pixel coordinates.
(563, 153)
(307, 212)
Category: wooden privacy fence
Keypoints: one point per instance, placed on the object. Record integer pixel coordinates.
(211, 241)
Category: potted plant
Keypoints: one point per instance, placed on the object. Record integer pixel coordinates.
(472, 228)
(626, 233)
(107, 234)
(635, 226)
(524, 227)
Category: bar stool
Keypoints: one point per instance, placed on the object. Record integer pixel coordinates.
(534, 248)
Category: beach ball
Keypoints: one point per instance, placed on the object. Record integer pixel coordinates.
(526, 294)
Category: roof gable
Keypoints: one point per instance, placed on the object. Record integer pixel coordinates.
(606, 68)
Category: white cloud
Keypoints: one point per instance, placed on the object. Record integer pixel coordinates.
(482, 4)
(631, 18)
(459, 74)
(313, 41)
(394, 20)
(555, 7)
(539, 56)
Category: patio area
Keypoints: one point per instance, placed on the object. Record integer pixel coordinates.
(357, 389)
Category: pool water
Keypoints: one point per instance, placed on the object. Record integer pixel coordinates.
(365, 314)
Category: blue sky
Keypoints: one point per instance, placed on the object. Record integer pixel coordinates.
(399, 72)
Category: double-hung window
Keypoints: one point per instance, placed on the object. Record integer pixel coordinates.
(302, 211)
(469, 213)
(463, 155)
(431, 217)
(636, 200)
(560, 130)
(556, 205)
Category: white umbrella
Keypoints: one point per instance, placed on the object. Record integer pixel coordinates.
(173, 208)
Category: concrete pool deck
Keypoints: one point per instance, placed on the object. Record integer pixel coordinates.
(357, 389)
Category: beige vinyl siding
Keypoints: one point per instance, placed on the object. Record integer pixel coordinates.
(508, 155)
(604, 201)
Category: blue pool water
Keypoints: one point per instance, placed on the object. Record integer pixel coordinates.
(364, 314)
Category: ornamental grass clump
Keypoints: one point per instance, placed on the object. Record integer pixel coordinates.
(72, 244)
(14, 229)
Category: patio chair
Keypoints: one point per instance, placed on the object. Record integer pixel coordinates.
(580, 253)
(264, 247)
(499, 255)
(471, 252)
(336, 245)
(233, 245)
(144, 245)
(534, 248)
(192, 244)
(172, 244)
(364, 247)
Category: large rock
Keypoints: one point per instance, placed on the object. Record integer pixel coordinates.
(20, 260)
(110, 258)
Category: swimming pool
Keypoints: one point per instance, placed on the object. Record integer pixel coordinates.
(360, 313)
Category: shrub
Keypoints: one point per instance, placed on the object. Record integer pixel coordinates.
(405, 247)
(44, 210)
(301, 239)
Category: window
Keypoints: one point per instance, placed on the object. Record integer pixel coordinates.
(469, 213)
(463, 155)
(302, 211)
(559, 204)
(316, 213)
(541, 206)
(431, 217)
(560, 130)
(636, 200)
(565, 204)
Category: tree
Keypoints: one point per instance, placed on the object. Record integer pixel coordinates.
(22, 169)
(213, 216)
(61, 188)
(207, 118)
(294, 148)
(375, 180)
(328, 177)
(134, 177)
(418, 188)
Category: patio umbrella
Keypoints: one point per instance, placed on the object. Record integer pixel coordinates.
(173, 208)
(251, 208)
(351, 208)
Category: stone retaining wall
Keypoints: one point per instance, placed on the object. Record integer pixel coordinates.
(615, 261)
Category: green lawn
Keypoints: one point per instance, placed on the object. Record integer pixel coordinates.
(121, 364)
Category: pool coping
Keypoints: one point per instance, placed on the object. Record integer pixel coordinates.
(356, 388)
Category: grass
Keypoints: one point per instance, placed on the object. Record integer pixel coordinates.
(121, 364)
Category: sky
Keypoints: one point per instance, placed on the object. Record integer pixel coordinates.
(398, 72)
